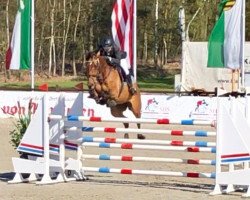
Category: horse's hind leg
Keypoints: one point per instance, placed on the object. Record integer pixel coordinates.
(126, 125)
(139, 136)
(135, 107)
(117, 111)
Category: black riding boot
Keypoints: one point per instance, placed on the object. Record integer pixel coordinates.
(130, 85)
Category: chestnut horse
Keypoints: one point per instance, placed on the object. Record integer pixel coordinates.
(106, 87)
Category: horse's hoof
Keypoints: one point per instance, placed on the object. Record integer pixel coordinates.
(141, 137)
(126, 136)
(97, 100)
(111, 103)
(102, 102)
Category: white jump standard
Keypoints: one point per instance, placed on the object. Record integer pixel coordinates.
(49, 136)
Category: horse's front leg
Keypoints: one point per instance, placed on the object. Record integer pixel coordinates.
(92, 87)
(94, 90)
(93, 94)
(111, 102)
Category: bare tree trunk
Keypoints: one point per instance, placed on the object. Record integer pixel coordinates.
(74, 37)
(7, 73)
(145, 50)
(165, 54)
(156, 32)
(187, 30)
(40, 48)
(7, 22)
(64, 33)
(54, 56)
(52, 40)
(91, 28)
(205, 24)
(65, 37)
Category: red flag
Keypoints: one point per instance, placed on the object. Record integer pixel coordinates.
(79, 86)
(8, 58)
(43, 87)
(122, 27)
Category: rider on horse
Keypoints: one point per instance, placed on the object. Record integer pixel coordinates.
(116, 57)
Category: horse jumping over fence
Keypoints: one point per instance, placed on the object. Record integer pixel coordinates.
(106, 87)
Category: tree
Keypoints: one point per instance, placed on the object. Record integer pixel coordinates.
(66, 30)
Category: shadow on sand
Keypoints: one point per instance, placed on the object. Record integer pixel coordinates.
(8, 176)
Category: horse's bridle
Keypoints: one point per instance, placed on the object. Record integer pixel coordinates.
(98, 78)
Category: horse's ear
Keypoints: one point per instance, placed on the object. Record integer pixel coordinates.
(90, 54)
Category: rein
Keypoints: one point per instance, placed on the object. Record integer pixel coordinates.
(100, 71)
(107, 74)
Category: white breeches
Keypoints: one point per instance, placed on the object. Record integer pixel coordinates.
(124, 65)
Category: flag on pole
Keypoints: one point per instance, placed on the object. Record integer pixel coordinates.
(18, 55)
(225, 45)
(122, 27)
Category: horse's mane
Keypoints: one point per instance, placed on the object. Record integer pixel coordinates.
(97, 55)
(91, 54)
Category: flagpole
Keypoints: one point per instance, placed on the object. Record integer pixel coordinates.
(135, 40)
(243, 44)
(184, 37)
(32, 43)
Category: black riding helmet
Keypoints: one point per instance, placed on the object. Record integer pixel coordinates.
(107, 44)
(107, 41)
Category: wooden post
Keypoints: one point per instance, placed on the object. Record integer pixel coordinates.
(235, 80)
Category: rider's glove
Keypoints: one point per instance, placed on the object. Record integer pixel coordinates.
(110, 59)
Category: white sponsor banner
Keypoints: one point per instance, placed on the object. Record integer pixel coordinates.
(178, 108)
(15, 103)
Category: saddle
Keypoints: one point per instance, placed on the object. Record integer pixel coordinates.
(121, 72)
